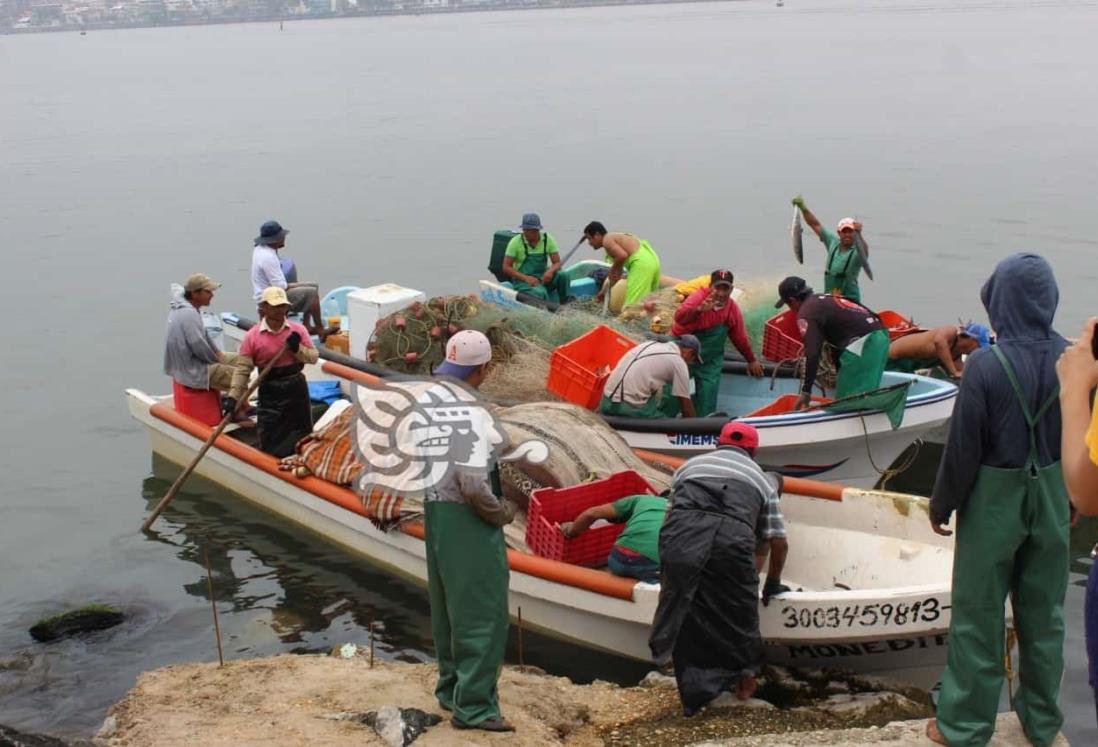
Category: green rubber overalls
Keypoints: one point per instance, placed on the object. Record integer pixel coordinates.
(841, 273)
(535, 263)
(707, 375)
(660, 405)
(467, 582)
(860, 371)
(1012, 537)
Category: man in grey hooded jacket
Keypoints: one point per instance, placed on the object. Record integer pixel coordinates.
(1001, 473)
(190, 356)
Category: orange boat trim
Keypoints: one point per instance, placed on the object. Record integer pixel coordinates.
(588, 579)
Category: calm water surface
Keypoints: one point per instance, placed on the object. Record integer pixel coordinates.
(958, 132)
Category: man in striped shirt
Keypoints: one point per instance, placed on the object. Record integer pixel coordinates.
(724, 519)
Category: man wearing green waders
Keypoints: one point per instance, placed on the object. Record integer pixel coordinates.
(712, 316)
(626, 254)
(532, 261)
(844, 263)
(851, 329)
(467, 571)
(1001, 473)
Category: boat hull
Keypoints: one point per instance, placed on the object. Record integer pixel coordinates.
(819, 628)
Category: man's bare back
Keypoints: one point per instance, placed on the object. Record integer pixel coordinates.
(938, 343)
(619, 245)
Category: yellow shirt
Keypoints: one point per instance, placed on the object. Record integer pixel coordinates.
(1092, 434)
(687, 287)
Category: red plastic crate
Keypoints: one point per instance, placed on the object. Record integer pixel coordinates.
(781, 338)
(578, 370)
(204, 405)
(551, 507)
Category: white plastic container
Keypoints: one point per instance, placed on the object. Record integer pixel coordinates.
(365, 307)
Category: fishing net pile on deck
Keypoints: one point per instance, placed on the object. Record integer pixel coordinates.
(581, 447)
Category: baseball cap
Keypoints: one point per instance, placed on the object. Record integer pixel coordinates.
(274, 296)
(792, 287)
(846, 223)
(200, 281)
(979, 332)
(720, 276)
(531, 221)
(735, 433)
(466, 351)
(691, 343)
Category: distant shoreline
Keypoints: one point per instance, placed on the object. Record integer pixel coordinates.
(539, 5)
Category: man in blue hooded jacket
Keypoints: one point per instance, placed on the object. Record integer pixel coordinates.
(1001, 473)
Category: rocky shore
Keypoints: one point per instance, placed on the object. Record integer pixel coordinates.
(333, 700)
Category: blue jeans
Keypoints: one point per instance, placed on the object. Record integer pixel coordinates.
(633, 565)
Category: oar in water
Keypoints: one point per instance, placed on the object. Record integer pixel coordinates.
(209, 442)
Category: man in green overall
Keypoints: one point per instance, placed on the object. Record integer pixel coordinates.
(848, 327)
(628, 253)
(532, 261)
(1001, 473)
(712, 316)
(843, 261)
(467, 570)
(652, 380)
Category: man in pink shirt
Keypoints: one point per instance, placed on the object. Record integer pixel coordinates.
(711, 315)
(285, 412)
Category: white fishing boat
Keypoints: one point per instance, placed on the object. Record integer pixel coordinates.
(871, 581)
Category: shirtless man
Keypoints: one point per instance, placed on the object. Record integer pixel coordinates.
(624, 251)
(941, 346)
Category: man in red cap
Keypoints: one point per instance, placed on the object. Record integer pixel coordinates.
(723, 520)
(711, 315)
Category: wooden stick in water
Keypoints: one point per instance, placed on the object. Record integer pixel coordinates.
(521, 658)
(213, 606)
(206, 446)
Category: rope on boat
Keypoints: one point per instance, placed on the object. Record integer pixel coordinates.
(888, 473)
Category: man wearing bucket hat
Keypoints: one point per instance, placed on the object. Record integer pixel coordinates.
(652, 380)
(191, 357)
(285, 412)
(943, 347)
(532, 261)
(844, 263)
(725, 518)
(712, 316)
(467, 572)
(267, 272)
(850, 328)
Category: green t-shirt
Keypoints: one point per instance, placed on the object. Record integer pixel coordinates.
(518, 248)
(643, 516)
(843, 267)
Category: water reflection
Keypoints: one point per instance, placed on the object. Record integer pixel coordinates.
(316, 595)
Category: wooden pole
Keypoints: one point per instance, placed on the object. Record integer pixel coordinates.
(213, 606)
(522, 661)
(206, 446)
(371, 643)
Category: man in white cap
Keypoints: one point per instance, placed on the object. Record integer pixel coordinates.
(191, 357)
(285, 412)
(652, 380)
(844, 264)
(467, 571)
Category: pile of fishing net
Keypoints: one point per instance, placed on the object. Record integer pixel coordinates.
(581, 447)
(413, 341)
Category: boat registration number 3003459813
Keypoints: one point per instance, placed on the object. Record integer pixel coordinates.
(924, 611)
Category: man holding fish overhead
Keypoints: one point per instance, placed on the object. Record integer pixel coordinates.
(847, 253)
(712, 316)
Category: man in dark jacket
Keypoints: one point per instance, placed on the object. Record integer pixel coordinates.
(724, 518)
(1001, 473)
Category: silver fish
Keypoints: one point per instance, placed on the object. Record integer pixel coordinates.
(863, 252)
(796, 230)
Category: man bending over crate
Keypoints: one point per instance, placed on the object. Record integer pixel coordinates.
(636, 553)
